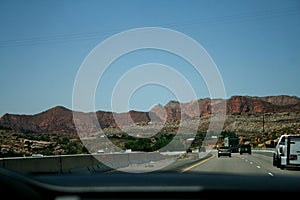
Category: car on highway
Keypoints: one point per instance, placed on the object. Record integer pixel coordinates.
(189, 150)
(100, 151)
(224, 151)
(245, 148)
(37, 155)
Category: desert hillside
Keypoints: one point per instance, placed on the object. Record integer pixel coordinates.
(245, 114)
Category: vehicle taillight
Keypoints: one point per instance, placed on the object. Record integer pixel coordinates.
(293, 157)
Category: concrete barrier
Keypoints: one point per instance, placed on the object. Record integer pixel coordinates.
(77, 163)
(138, 158)
(114, 161)
(30, 165)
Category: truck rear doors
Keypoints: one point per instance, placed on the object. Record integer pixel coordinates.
(293, 150)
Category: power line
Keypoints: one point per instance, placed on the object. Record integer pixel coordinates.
(235, 18)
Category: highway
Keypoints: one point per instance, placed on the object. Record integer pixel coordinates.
(257, 163)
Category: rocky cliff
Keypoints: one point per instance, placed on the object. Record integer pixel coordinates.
(60, 120)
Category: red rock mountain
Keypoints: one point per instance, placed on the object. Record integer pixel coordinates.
(60, 120)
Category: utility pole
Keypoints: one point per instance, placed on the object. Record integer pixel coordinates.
(263, 122)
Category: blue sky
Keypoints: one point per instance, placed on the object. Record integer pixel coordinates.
(254, 43)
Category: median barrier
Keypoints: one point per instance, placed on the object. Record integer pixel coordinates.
(79, 162)
(115, 160)
(33, 164)
(139, 158)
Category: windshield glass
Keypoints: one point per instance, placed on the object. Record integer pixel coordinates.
(96, 87)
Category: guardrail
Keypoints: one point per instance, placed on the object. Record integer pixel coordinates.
(264, 149)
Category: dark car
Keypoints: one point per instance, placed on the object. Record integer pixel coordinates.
(245, 148)
(189, 150)
(224, 151)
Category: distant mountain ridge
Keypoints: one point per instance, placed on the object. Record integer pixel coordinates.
(60, 119)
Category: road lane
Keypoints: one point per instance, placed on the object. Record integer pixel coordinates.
(255, 163)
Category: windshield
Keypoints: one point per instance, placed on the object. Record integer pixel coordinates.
(105, 87)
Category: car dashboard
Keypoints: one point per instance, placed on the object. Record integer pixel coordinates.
(152, 185)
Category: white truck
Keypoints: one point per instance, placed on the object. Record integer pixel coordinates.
(287, 152)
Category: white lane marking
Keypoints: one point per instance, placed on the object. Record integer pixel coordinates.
(257, 166)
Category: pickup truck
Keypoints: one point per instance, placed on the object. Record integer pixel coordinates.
(287, 152)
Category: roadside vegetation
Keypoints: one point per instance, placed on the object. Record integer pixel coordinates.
(15, 144)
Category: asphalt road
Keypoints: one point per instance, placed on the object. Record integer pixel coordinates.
(257, 163)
